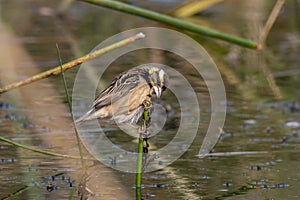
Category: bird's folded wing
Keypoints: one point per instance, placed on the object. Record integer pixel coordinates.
(121, 86)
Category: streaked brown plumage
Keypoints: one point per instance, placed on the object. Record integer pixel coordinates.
(123, 99)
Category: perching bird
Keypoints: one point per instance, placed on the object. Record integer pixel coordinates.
(123, 100)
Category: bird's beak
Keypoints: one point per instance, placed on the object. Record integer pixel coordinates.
(157, 91)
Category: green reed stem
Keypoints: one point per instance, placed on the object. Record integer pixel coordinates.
(41, 151)
(139, 170)
(72, 193)
(139, 163)
(175, 22)
(70, 109)
(17, 193)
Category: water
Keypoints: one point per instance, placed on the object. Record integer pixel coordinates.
(257, 155)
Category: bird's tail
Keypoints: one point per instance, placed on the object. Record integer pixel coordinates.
(87, 116)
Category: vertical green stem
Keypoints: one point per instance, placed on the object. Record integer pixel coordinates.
(139, 163)
(70, 109)
(138, 193)
(139, 169)
(140, 153)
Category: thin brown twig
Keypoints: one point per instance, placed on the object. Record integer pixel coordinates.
(57, 70)
(272, 18)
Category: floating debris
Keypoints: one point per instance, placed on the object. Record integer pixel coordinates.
(227, 184)
(4, 106)
(225, 135)
(270, 163)
(280, 185)
(149, 195)
(268, 130)
(296, 133)
(263, 182)
(158, 185)
(8, 160)
(262, 139)
(50, 187)
(266, 187)
(257, 167)
(195, 185)
(11, 116)
(292, 124)
(250, 121)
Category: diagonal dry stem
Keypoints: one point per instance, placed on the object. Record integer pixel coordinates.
(271, 20)
(71, 64)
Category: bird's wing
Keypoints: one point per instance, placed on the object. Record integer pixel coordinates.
(123, 84)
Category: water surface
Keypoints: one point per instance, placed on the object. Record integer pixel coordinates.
(257, 155)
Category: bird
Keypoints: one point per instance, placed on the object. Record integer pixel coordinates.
(124, 99)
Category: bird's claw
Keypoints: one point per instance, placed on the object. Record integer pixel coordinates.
(143, 131)
(147, 104)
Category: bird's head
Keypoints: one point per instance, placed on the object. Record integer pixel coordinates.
(157, 79)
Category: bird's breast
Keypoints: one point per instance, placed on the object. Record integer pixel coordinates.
(131, 101)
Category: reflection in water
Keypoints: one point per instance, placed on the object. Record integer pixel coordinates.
(254, 123)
